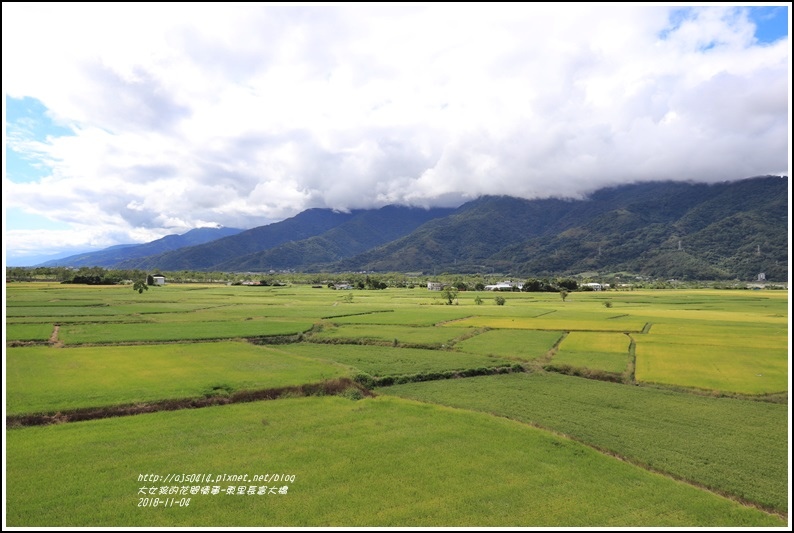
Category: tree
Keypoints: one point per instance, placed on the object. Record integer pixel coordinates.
(450, 294)
(478, 300)
(563, 294)
(140, 286)
(500, 300)
(568, 284)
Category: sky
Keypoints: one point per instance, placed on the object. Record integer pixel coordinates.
(128, 122)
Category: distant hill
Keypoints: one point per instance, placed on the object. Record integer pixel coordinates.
(664, 229)
(315, 235)
(206, 256)
(109, 257)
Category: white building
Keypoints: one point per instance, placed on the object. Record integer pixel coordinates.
(158, 280)
(434, 285)
(504, 286)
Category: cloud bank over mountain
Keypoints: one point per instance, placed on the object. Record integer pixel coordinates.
(171, 117)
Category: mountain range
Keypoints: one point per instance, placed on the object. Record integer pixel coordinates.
(667, 229)
(109, 257)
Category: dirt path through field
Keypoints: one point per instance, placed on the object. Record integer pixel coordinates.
(54, 342)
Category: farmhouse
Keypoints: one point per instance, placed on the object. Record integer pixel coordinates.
(504, 286)
(434, 285)
(158, 280)
(593, 286)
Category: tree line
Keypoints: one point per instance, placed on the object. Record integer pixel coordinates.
(358, 280)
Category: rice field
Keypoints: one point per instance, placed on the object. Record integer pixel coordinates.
(695, 436)
(554, 322)
(521, 344)
(599, 351)
(382, 462)
(379, 361)
(29, 332)
(717, 366)
(431, 337)
(43, 379)
(734, 446)
(75, 334)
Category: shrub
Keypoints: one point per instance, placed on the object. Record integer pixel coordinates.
(352, 393)
(365, 380)
(221, 390)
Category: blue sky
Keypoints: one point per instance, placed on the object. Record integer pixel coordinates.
(26, 120)
(771, 22)
(163, 119)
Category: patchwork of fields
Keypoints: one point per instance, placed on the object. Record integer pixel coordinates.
(625, 409)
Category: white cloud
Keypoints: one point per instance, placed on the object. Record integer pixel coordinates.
(242, 115)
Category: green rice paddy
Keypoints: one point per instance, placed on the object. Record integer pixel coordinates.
(599, 351)
(734, 446)
(43, 379)
(381, 462)
(521, 344)
(698, 426)
(382, 361)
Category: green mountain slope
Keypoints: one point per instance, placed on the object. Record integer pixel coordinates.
(367, 229)
(205, 256)
(661, 229)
